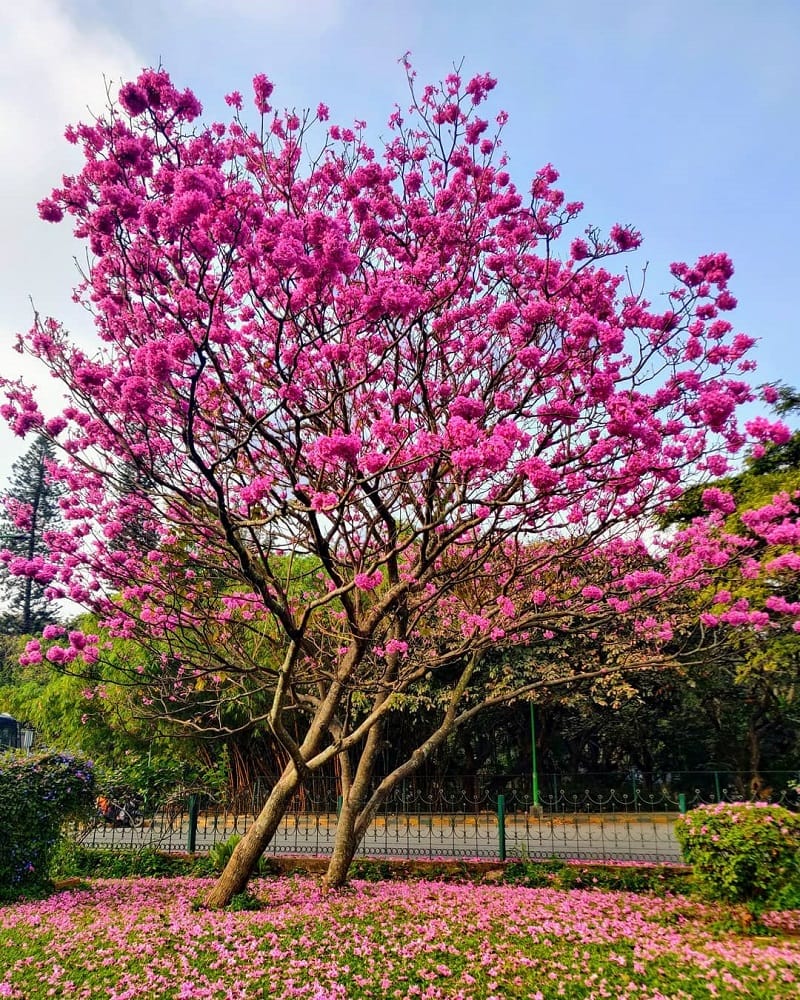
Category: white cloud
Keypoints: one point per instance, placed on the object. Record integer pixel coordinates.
(51, 69)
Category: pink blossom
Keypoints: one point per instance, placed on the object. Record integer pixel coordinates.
(262, 88)
(768, 430)
(133, 98)
(50, 211)
(368, 581)
(468, 409)
(625, 237)
(716, 499)
(324, 501)
(339, 447)
(506, 606)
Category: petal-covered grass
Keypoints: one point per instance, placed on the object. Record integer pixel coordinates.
(126, 939)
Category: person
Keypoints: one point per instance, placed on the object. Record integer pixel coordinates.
(105, 808)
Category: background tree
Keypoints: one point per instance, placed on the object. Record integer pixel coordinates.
(29, 509)
(762, 663)
(378, 362)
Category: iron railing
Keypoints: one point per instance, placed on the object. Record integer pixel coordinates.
(456, 817)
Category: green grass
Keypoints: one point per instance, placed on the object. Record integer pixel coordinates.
(146, 938)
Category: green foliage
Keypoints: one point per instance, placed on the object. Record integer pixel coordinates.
(556, 874)
(72, 860)
(244, 901)
(154, 778)
(370, 871)
(743, 852)
(220, 855)
(104, 720)
(37, 794)
(28, 509)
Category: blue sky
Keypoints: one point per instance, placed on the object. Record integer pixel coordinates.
(679, 117)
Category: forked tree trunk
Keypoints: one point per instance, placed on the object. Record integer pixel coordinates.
(359, 807)
(247, 852)
(344, 847)
(352, 826)
(347, 838)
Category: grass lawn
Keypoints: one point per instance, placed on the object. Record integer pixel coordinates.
(125, 939)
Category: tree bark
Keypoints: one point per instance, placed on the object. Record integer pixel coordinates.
(247, 852)
(754, 747)
(344, 846)
(346, 840)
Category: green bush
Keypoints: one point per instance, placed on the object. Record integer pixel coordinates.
(220, 855)
(557, 874)
(370, 871)
(73, 860)
(38, 794)
(743, 852)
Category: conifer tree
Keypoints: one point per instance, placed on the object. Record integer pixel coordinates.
(29, 508)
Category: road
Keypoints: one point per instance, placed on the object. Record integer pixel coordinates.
(632, 837)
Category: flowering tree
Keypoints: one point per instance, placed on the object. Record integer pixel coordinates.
(378, 425)
(762, 665)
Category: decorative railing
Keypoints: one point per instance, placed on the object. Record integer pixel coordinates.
(631, 822)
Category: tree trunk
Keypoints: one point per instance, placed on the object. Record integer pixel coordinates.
(247, 852)
(245, 856)
(358, 810)
(754, 747)
(344, 846)
(33, 538)
(346, 840)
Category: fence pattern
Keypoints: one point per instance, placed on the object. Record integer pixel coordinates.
(633, 824)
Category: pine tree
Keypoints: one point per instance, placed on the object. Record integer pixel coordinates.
(29, 507)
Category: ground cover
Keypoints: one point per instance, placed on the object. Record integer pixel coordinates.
(128, 939)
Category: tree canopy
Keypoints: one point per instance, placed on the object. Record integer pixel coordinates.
(378, 360)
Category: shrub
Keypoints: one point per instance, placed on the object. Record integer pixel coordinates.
(37, 795)
(557, 874)
(220, 855)
(742, 852)
(73, 860)
(370, 871)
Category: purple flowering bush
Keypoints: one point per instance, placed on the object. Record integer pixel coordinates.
(37, 794)
(743, 852)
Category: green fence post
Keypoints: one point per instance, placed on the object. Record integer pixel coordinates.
(716, 786)
(501, 826)
(534, 766)
(682, 802)
(339, 800)
(194, 813)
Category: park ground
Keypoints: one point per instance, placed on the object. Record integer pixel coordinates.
(149, 938)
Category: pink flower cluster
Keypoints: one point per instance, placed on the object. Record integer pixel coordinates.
(375, 358)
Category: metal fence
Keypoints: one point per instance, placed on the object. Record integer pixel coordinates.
(458, 817)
